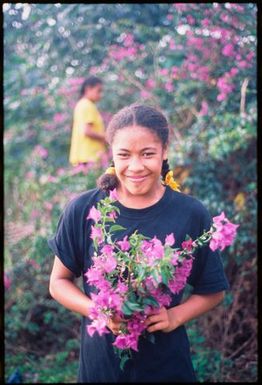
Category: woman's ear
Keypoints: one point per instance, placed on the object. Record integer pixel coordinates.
(165, 153)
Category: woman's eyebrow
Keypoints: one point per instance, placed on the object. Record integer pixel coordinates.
(143, 149)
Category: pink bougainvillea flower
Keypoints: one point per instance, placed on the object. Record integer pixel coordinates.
(175, 258)
(94, 214)
(7, 281)
(177, 283)
(113, 195)
(204, 108)
(122, 288)
(170, 239)
(121, 342)
(124, 245)
(224, 234)
(109, 264)
(96, 234)
(93, 275)
(187, 245)
(228, 50)
(107, 250)
(113, 214)
(98, 325)
(41, 151)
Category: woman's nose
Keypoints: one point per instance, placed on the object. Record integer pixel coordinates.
(135, 164)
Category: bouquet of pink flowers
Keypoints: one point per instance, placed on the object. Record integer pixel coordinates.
(136, 275)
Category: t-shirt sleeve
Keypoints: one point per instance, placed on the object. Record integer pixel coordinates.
(65, 243)
(86, 113)
(207, 274)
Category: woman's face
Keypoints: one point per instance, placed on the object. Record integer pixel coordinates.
(138, 154)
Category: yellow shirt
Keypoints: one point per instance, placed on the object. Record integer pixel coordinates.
(83, 148)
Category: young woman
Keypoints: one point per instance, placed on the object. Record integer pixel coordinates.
(88, 133)
(149, 202)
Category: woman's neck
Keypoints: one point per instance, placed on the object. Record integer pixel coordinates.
(140, 201)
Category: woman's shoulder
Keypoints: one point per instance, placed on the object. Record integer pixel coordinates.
(84, 200)
(84, 103)
(191, 203)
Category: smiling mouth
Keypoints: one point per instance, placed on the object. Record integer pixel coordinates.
(137, 178)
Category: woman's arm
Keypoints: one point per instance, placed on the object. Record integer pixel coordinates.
(64, 291)
(92, 134)
(169, 319)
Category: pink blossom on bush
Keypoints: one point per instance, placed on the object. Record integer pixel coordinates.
(60, 171)
(33, 263)
(41, 151)
(48, 206)
(181, 6)
(7, 281)
(250, 56)
(204, 108)
(175, 72)
(59, 117)
(196, 42)
(243, 64)
(29, 175)
(221, 97)
(35, 214)
(145, 94)
(224, 86)
(163, 71)
(128, 40)
(76, 81)
(233, 71)
(228, 50)
(205, 22)
(150, 83)
(169, 86)
(51, 179)
(190, 19)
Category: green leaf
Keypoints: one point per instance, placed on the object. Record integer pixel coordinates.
(150, 301)
(134, 306)
(123, 360)
(126, 310)
(117, 228)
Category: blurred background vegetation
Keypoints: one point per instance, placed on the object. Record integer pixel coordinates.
(198, 63)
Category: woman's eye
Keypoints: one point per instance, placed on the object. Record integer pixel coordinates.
(148, 154)
(123, 155)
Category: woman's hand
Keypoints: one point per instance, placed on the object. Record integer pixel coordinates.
(160, 321)
(114, 324)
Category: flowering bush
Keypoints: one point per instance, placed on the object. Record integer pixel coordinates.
(136, 275)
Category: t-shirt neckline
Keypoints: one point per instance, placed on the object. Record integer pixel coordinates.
(146, 212)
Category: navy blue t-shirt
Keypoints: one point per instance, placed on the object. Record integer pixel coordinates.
(168, 359)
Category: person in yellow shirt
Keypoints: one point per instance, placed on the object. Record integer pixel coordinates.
(88, 141)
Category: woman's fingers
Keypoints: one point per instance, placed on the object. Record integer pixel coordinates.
(114, 324)
(157, 326)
